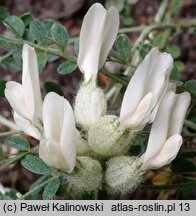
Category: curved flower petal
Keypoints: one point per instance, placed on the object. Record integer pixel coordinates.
(98, 32)
(30, 83)
(166, 154)
(139, 114)
(14, 92)
(52, 112)
(50, 152)
(26, 126)
(159, 130)
(26, 99)
(182, 103)
(68, 136)
(59, 126)
(152, 75)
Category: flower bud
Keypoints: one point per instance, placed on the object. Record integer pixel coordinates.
(82, 147)
(87, 176)
(106, 138)
(90, 104)
(123, 173)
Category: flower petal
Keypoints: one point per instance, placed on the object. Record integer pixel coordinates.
(167, 153)
(159, 130)
(152, 75)
(53, 116)
(59, 126)
(181, 105)
(109, 35)
(14, 92)
(50, 153)
(98, 32)
(68, 136)
(136, 119)
(26, 126)
(30, 83)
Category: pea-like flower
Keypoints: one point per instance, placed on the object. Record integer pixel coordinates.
(165, 139)
(146, 90)
(25, 98)
(98, 33)
(58, 149)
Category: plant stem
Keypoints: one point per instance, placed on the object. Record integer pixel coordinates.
(190, 124)
(7, 55)
(37, 187)
(183, 23)
(113, 77)
(39, 47)
(8, 123)
(8, 133)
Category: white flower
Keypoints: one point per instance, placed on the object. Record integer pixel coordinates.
(26, 99)
(146, 90)
(165, 139)
(58, 149)
(98, 33)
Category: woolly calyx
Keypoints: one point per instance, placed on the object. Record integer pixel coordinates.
(123, 173)
(106, 138)
(90, 104)
(87, 175)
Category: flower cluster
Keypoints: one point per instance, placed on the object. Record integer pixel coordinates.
(96, 154)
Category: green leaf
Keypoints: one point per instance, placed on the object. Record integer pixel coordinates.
(175, 6)
(26, 18)
(42, 58)
(60, 35)
(191, 86)
(2, 88)
(67, 67)
(18, 142)
(10, 160)
(28, 35)
(176, 71)
(51, 57)
(3, 13)
(174, 51)
(123, 46)
(51, 189)
(48, 23)
(1, 196)
(39, 31)
(119, 4)
(76, 46)
(35, 165)
(53, 87)
(4, 197)
(126, 15)
(177, 82)
(15, 25)
(144, 49)
(17, 56)
(39, 181)
(5, 43)
(1, 152)
(12, 194)
(161, 39)
(10, 63)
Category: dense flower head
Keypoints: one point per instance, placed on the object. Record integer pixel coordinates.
(88, 143)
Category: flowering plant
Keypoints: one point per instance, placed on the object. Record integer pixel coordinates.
(89, 145)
